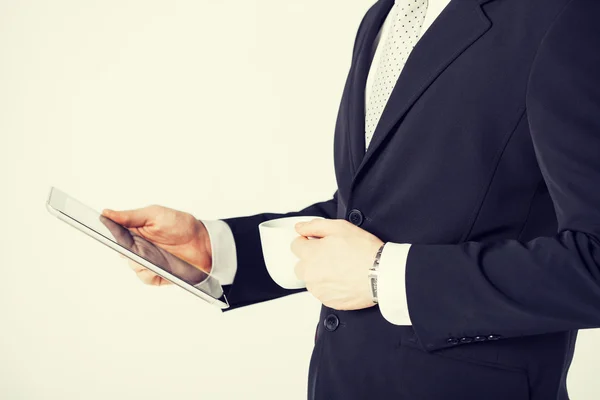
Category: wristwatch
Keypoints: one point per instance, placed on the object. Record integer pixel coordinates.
(374, 274)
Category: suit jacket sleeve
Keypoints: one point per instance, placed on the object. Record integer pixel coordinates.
(252, 283)
(508, 288)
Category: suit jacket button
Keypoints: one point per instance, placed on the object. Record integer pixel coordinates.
(356, 217)
(452, 340)
(480, 338)
(493, 337)
(466, 339)
(331, 322)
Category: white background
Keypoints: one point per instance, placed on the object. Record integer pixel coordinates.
(218, 108)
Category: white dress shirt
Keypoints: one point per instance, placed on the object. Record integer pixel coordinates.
(391, 284)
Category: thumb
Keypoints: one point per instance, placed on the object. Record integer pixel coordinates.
(317, 228)
(129, 218)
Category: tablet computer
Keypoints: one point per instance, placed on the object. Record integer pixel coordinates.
(135, 247)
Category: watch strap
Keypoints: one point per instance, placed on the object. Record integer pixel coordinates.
(374, 274)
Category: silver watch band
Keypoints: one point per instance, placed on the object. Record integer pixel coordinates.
(374, 274)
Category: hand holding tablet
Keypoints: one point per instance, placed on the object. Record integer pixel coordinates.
(169, 245)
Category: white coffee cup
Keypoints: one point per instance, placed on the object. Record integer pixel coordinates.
(276, 237)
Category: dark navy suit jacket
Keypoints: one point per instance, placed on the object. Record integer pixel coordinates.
(487, 160)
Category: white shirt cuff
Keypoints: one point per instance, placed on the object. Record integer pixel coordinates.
(224, 258)
(391, 289)
(210, 286)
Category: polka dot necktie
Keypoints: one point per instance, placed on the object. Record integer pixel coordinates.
(406, 20)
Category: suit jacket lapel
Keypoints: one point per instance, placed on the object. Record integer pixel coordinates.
(459, 25)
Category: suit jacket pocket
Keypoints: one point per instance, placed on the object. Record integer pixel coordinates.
(441, 376)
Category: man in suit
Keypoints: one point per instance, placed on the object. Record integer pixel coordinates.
(468, 191)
